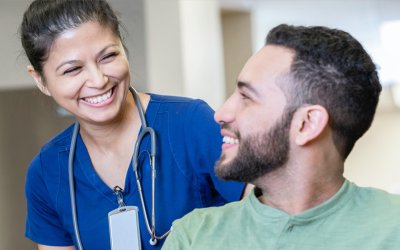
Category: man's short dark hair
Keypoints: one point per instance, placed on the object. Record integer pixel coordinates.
(331, 68)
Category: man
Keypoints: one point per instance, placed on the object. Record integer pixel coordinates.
(300, 105)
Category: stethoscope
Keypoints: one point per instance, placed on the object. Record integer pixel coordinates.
(144, 131)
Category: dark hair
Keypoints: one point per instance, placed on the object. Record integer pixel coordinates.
(45, 20)
(332, 69)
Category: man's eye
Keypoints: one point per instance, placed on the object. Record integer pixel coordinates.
(244, 96)
(70, 70)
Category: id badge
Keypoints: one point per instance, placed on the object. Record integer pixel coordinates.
(124, 228)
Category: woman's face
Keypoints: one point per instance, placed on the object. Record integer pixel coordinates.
(87, 73)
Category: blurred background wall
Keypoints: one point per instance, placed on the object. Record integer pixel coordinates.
(196, 48)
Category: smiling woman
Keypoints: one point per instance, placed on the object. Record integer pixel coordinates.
(78, 58)
(87, 73)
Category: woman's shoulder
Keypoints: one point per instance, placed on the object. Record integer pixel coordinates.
(176, 100)
(179, 104)
(44, 165)
(59, 142)
(169, 98)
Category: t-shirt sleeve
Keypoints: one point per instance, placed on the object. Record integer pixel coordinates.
(205, 149)
(43, 225)
(178, 237)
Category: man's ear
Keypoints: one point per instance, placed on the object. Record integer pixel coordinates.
(310, 122)
(38, 80)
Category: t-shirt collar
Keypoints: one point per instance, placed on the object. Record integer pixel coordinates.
(337, 201)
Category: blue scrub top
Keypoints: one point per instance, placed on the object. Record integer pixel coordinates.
(188, 144)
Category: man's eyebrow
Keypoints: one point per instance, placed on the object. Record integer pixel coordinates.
(246, 85)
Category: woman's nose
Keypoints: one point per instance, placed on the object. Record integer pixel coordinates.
(96, 77)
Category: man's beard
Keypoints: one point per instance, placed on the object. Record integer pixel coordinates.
(258, 154)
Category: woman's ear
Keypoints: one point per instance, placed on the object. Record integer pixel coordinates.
(310, 122)
(38, 80)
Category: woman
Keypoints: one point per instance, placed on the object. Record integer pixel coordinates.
(77, 57)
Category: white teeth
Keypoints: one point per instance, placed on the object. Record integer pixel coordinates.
(230, 140)
(98, 99)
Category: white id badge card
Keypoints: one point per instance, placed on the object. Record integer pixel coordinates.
(124, 228)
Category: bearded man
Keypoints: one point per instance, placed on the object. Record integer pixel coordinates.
(300, 105)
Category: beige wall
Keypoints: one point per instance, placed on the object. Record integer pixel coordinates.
(13, 66)
(184, 48)
(163, 47)
(375, 160)
(202, 51)
(236, 29)
(28, 119)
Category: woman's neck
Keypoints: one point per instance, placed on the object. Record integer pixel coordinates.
(112, 135)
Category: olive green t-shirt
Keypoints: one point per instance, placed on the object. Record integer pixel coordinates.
(354, 218)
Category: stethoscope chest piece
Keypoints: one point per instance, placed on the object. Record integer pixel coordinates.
(153, 241)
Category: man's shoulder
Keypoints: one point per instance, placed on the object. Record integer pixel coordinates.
(379, 201)
(209, 215)
(379, 194)
(211, 226)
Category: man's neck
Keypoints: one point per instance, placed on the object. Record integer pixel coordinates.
(294, 193)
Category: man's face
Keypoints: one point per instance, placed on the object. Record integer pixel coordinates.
(255, 124)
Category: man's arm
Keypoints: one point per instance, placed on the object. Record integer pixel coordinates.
(175, 240)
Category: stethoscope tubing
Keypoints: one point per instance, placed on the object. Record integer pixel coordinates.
(144, 130)
(72, 185)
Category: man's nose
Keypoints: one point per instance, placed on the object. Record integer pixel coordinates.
(226, 113)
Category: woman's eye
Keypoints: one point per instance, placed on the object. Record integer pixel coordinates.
(109, 56)
(70, 70)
